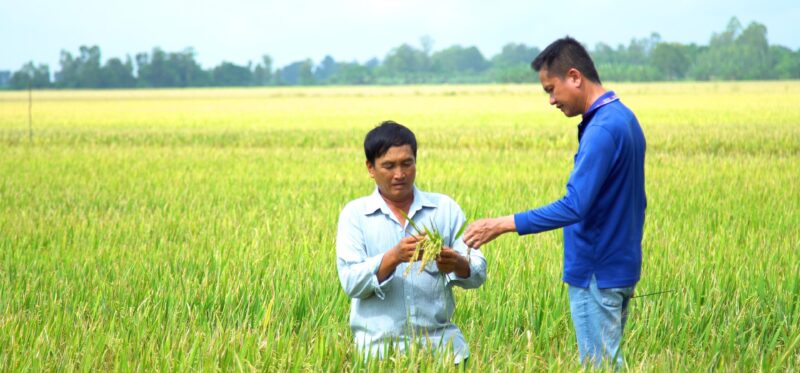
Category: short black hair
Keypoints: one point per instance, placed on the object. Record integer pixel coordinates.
(564, 54)
(386, 135)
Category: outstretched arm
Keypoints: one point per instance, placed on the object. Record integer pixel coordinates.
(483, 231)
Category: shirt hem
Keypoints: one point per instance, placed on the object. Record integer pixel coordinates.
(605, 284)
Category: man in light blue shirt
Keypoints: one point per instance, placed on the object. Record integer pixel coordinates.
(374, 245)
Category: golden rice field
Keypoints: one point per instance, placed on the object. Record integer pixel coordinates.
(185, 230)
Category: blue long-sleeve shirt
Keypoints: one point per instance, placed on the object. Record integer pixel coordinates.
(401, 309)
(603, 210)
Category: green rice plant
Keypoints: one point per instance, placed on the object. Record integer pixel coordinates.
(430, 247)
(157, 228)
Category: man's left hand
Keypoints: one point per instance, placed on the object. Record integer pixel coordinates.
(451, 261)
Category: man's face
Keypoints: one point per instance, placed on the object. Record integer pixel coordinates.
(394, 173)
(564, 92)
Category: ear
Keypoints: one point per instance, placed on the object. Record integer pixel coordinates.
(575, 77)
(370, 169)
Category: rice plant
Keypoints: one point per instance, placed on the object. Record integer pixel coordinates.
(194, 229)
(430, 246)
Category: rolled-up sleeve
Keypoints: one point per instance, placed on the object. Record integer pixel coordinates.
(357, 271)
(477, 262)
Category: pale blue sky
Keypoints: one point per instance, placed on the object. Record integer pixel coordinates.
(242, 30)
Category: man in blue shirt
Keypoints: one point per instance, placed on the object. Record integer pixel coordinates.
(374, 245)
(602, 212)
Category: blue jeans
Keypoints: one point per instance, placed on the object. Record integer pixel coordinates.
(599, 317)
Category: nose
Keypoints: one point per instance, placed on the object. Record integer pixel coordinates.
(552, 100)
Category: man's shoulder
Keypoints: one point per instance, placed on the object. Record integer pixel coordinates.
(440, 200)
(614, 118)
(615, 113)
(356, 206)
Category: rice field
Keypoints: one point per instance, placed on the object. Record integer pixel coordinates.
(185, 230)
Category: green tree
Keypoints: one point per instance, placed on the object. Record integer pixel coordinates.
(459, 60)
(671, 60)
(176, 69)
(89, 71)
(326, 69)
(513, 64)
(631, 63)
(262, 74)
(187, 71)
(154, 70)
(83, 71)
(515, 54)
(29, 74)
(306, 73)
(277, 78)
(604, 54)
(290, 74)
(752, 49)
(352, 74)
(735, 53)
(229, 74)
(67, 77)
(406, 64)
(786, 63)
(117, 74)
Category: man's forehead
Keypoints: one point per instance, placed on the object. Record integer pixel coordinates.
(545, 76)
(397, 153)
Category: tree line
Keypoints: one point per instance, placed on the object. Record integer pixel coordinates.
(737, 53)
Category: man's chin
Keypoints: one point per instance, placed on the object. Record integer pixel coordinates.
(399, 194)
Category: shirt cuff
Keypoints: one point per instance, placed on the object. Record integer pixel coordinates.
(378, 285)
(452, 276)
(521, 222)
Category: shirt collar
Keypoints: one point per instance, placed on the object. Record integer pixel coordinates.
(604, 99)
(375, 202)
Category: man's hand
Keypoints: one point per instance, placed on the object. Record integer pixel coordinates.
(451, 261)
(485, 230)
(404, 249)
(402, 252)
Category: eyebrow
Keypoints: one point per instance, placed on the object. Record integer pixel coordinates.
(387, 163)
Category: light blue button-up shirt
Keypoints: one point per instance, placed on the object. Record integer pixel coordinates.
(401, 310)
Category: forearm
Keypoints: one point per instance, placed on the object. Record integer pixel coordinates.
(476, 276)
(552, 216)
(389, 263)
(462, 268)
(505, 224)
(359, 280)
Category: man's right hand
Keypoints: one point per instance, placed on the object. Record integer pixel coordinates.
(404, 250)
(485, 230)
(400, 253)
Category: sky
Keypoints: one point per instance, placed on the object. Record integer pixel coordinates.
(239, 31)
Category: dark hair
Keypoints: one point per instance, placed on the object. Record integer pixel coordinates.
(564, 54)
(386, 135)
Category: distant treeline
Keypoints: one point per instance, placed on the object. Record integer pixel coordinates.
(734, 54)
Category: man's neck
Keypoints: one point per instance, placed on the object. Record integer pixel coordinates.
(593, 92)
(403, 205)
